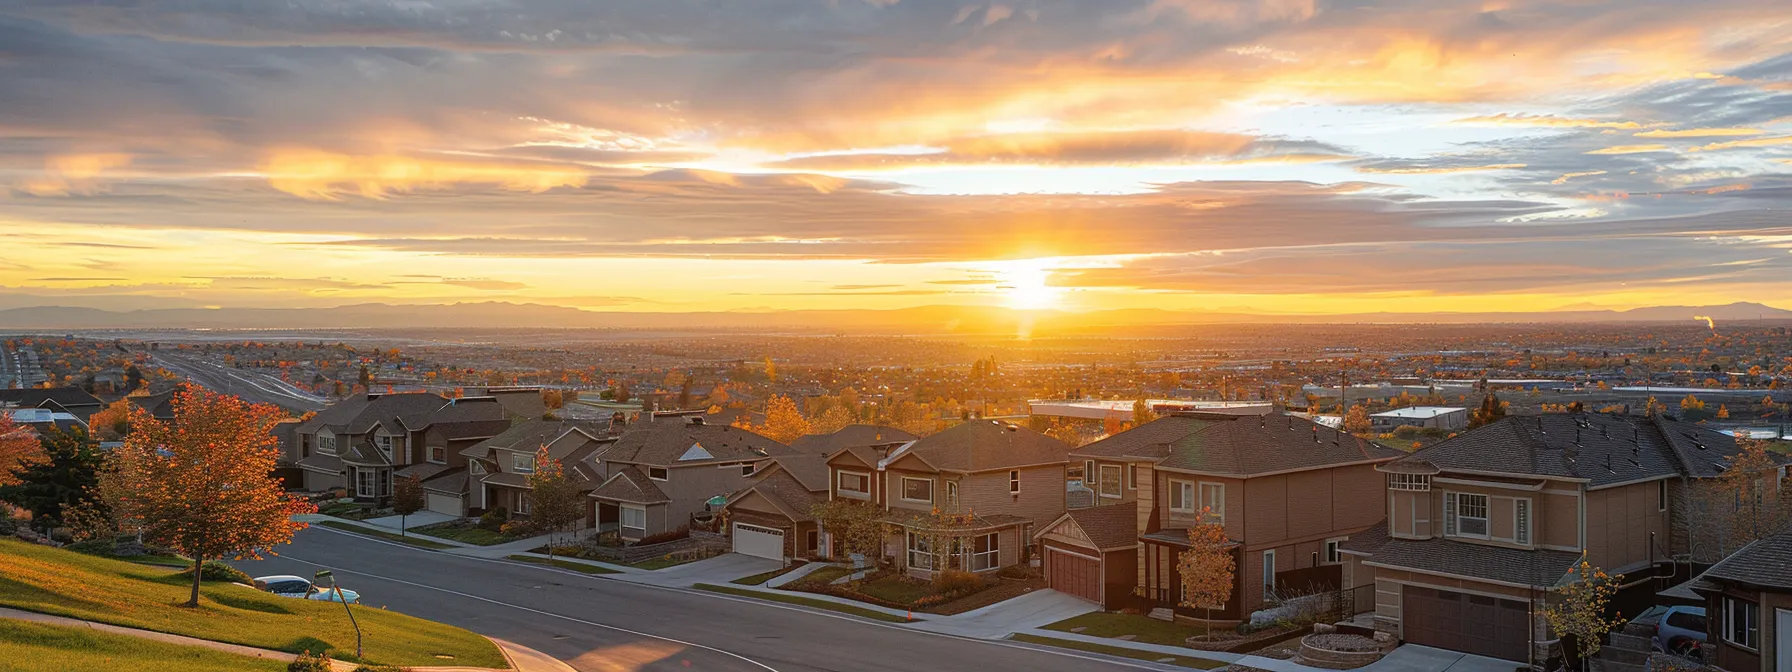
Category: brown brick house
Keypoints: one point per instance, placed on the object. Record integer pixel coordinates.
(499, 467)
(1286, 490)
(1749, 607)
(1480, 527)
(770, 517)
(665, 471)
(1093, 553)
(362, 442)
(1001, 478)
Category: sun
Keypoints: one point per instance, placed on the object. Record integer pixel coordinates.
(1026, 283)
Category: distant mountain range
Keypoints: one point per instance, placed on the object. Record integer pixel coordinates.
(919, 320)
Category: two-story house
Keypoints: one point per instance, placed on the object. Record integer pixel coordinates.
(666, 470)
(1287, 492)
(983, 483)
(498, 468)
(1482, 526)
(771, 516)
(1749, 607)
(363, 443)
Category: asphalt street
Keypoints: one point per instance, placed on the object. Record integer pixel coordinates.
(250, 385)
(603, 625)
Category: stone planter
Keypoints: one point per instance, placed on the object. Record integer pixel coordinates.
(1339, 652)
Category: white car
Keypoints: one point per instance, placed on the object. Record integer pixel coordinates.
(286, 585)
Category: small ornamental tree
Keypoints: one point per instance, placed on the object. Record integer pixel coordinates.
(202, 482)
(852, 528)
(555, 502)
(19, 447)
(407, 498)
(1207, 568)
(1580, 607)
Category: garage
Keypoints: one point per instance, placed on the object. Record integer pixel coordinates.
(440, 503)
(1477, 624)
(1073, 573)
(759, 542)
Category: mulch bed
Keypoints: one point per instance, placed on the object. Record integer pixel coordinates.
(1006, 589)
(1233, 642)
(1345, 643)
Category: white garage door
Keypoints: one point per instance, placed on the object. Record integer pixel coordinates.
(449, 504)
(760, 542)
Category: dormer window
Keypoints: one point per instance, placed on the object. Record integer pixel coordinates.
(658, 473)
(385, 445)
(522, 464)
(1415, 482)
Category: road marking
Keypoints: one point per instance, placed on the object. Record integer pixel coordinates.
(1056, 651)
(538, 611)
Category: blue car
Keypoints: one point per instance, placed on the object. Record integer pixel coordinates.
(286, 585)
(1679, 630)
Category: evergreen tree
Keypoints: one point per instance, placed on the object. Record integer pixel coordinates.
(70, 468)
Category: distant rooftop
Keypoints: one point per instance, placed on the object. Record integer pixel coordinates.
(1418, 412)
(1098, 409)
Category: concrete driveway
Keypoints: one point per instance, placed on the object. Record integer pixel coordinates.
(1415, 658)
(1032, 610)
(418, 519)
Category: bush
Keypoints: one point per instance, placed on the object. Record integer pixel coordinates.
(101, 546)
(382, 668)
(957, 581)
(516, 528)
(307, 662)
(213, 570)
(682, 532)
(1020, 571)
(494, 519)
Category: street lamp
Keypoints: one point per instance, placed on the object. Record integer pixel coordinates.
(326, 574)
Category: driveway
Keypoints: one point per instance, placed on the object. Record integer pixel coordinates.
(1415, 658)
(720, 569)
(1032, 610)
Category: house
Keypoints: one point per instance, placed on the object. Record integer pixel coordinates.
(671, 469)
(1286, 491)
(442, 436)
(770, 516)
(159, 406)
(1482, 526)
(1749, 607)
(45, 419)
(498, 468)
(985, 484)
(71, 400)
(1428, 417)
(360, 443)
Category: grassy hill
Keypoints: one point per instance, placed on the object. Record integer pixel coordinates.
(35, 647)
(55, 581)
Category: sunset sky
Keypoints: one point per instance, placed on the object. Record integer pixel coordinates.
(676, 155)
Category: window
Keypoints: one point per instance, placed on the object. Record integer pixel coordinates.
(854, 484)
(813, 541)
(1417, 482)
(952, 494)
(438, 454)
(985, 552)
(920, 552)
(1741, 625)
(1013, 482)
(1132, 477)
(634, 518)
(1269, 572)
(1661, 495)
(1465, 515)
(326, 445)
(1110, 480)
(522, 504)
(1182, 497)
(1686, 620)
(1213, 498)
(475, 466)
(657, 473)
(366, 483)
(1331, 554)
(917, 489)
(522, 464)
(1088, 472)
(746, 470)
(1521, 521)
(385, 444)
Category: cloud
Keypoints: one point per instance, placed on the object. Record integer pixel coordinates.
(1569, 176)
(1438, 170)
(1544, 121)
(1754, 142)
(73, 172)
(325, 175)
(1157, 147)
(1631, 149)
(1699, 133)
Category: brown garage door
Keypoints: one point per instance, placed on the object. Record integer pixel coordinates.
(1075, 574)
(1474, 624)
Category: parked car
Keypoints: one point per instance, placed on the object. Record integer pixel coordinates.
(1679, 630)
(286, 585)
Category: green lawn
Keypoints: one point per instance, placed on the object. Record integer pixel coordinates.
(1135, 654)
(54, 581)
(663, 562)
(760, 579)
(35, 647)
(825, 575)
(357, 529)
(1142, 628)
(804, 601)
(563, 564)
(896, 589)
(467, 535)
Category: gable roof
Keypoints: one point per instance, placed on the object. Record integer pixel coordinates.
(1599, 448)
(529, 436)
(361, 414)
(985, 445)
(66, 397)
(1109, 527)
(809, 469)
(1235, 445)
(159, 406)
(1761, 564)
(628, 484)
(849, 436)
(663, 443)
(784, 491)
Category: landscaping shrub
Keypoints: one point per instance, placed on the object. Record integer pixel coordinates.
(381, 668)
(213, 570)
(516, 528)
(101, 546)
(682, 532)
(494, 519)
(306, 662)
(957, 581)
(1017, 572)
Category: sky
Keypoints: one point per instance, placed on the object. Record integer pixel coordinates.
(1276, 156)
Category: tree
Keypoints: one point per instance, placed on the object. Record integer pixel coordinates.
(853, 529)
(115, 419)
(555, 502)
(1356, 421)
(834, 419)
(201, 483)
(1745, 484)
(1579, 609)
(63, 477)
(407, 498)
(552, 398)
(1142, 413)
(1491, 410)
(19, 447)
(620, 392)
(1207, 567)
(783, 422)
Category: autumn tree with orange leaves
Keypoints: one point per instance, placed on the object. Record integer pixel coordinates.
(19, 447)
(202, 483)
(1207, 568)
(783, 422)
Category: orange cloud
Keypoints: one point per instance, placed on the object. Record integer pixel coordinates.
(1722, 189)
(324, 175)
(1699, 133)
(1631, 149)
(69, 173)
(1755, 142)
(1569, 176)
(1543, 121)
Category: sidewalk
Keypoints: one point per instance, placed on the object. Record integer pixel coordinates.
(520, 546)
(522, 658)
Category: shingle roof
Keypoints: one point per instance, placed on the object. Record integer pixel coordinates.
(453, 481)
(1367, 541)
(1111, 526)
(628, 484)
(1237, 445)
(63, 396)
(422, 470)
(360, 414)
(1493, 563)
(1762, 564)
(984, 445)
(529, 436)
(796, 498)
(809, 470)
(662, 443)
(365, 453)
(328, 463)
(849, 436)
(159, 406)
(1603, 449)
